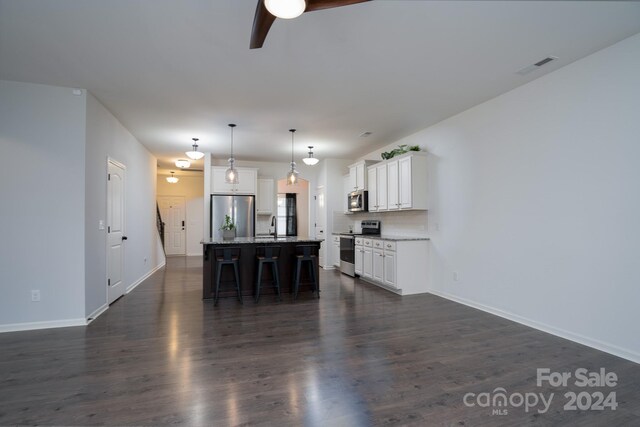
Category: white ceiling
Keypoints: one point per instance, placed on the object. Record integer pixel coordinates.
(172, 70)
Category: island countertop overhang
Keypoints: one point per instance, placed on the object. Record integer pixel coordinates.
(260, 240)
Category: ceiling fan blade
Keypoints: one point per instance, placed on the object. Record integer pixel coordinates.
(262, 21)
(328, 4)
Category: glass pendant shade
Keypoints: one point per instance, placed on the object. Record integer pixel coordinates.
(285, 9)
(292, 176)
(195, 154)
(172, 179)
(231, 174)
(182, 163)
(310, 160)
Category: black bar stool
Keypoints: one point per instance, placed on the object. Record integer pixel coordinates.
(305, 253)
(227, 256)
(268, 255)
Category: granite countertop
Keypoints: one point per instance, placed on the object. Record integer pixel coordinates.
(397, 238)
(254, 240)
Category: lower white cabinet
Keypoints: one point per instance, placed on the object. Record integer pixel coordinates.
(359, 260)
(367, 262)
(401, 266)
(336, 251)
(389, 274)
(378, 265)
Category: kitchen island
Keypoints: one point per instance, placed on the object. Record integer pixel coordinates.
(248, 266)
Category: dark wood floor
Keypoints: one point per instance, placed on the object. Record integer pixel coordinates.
(358, 356)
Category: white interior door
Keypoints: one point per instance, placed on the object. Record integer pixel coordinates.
(172, 209)
(115, 230)
(320, 223)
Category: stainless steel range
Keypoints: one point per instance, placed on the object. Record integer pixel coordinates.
(370, 227)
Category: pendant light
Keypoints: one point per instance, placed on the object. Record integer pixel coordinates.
(231, 175)
(310, 160)
(172, 179)
(183, 163)
(286, 9)
(292, 176)
(195, 154)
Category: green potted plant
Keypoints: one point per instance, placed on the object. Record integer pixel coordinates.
(228, 229)
(404, 148)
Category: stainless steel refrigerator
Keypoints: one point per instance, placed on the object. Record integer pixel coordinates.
(241, 209)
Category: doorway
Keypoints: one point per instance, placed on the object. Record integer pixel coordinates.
(172, 210)
(298, 208)
(115, 229)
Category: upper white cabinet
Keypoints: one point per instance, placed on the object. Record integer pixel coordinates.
(265, 197)
(401, 183)
(358, 175)
(247, 181)
(378, 194)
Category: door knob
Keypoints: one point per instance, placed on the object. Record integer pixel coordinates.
(124, 237)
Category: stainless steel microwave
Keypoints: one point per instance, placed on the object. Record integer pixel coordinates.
(358, 201)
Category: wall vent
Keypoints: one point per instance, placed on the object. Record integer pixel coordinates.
(533, 67)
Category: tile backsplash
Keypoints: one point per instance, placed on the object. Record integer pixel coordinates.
(402, 223)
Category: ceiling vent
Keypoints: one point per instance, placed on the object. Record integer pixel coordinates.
(533, 67)
(365, 134)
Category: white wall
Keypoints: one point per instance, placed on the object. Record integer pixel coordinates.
(42, 181)
(537, 200)
(106, 137)
(330, 176)
(192, 189)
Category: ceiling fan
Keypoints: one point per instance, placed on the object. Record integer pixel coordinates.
(267, 11)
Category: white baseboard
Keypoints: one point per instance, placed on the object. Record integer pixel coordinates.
(143, 278)
(93, 316)
(328, 267)
(196, 254)
(28, 326)
(571, 336)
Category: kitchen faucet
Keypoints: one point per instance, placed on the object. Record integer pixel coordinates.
(274, 224)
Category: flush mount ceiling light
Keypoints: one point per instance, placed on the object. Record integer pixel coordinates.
(195, 154)
(310, 160)
(183, 163)
(292, 176)
(285, 9)
(231, 174)
(172, 179)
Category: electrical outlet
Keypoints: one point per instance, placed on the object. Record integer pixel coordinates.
(437, 226)
(456, 276)
(145, 260)
(35, 295)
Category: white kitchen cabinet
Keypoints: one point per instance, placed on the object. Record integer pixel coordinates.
(405, 186)
(359, 260)
(398, 266)
(392, 186)
(367, 259)
(336, 251)
(265, 198)
(247, 181)
(377, 182)
(358, 175)
(405, 183)
(389, 275)
(373, 188)
(378, 265)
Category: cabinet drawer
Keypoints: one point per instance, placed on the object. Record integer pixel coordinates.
(367, 242)
(389, 245)
(378, 244)
(359, 241)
